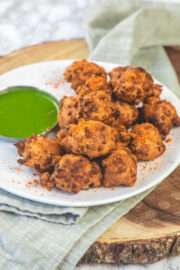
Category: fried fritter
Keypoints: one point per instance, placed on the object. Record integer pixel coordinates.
(146, 142)
(46, 181)
(120, 168)
(97, 106)
(133, 85)
(122, 136)
(69, 111)
(80, 71)
(125, 114)
(161, 114)
(38, 152)
(116, 74)
(156, 90)
(73, 173)
(151, 100)
(93, 84)
(90, 138)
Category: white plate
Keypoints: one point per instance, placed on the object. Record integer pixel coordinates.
(18, 180)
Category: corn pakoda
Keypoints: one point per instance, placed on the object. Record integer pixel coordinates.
(156, 90)
(116, 74)
(125, 114)
(97, 106)
(133, 85)
(119, 168)
(90, 138)
(80, 71)
(122, 136)
(38, 152)
(146, 142)
(161, 114)
(73, 173)
(69, 111)
(93, 83)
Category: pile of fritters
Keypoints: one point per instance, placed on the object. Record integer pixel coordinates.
(93, 147)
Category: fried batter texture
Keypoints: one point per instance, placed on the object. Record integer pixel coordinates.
(69, 111)
(116, 74)
(90, 138)
(122, 136)
(38, 152)
(94, 147)
(120, 168)
(146, 142)
(156, 90)
(93, 83)
(161, 114)
(80, 71)
(125, 114)
(73, 173)
(133, 84)
(97, 106)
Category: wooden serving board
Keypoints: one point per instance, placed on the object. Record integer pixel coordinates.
(149, 232)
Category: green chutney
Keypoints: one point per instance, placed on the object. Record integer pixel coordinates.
(26, 110)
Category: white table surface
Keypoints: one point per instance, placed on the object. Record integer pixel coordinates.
(29, 22)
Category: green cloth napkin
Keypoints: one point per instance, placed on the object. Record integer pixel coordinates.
(36, 236)
(132, 32)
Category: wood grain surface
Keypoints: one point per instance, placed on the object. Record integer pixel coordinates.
(149, 232)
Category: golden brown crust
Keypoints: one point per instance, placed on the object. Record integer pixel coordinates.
(73, 173)
(90, 138)
(116, 74)
(146, 142)
(156, 90)
(122, 136)
(161, 114)
(97, 106)
(46, 181)
(93, 84)
(120, 168)
(80, 71)
(69, 111)
(38, 151)
(125, 114)
(94, 125)
(133, 85)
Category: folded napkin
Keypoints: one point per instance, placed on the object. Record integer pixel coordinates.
(38, 236)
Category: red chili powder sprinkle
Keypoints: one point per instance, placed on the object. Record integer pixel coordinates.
(168, 140)
(18, 169)
(62, 80)
(56, 85)
(144, 167)
(35, 181)
(47, 187)
(32, 183)
(51, 83)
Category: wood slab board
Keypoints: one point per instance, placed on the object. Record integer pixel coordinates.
(150, 231)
